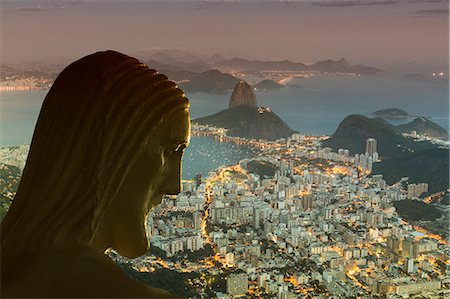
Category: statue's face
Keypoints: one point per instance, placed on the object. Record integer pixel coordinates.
(155, 172)
(175, 138)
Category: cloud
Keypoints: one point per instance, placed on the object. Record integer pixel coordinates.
(289, 3)
(427, 1)
(431, 12)
(207, 4)
(40, 6)
(346, 3)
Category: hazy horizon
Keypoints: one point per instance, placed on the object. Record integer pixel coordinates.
(409, 35)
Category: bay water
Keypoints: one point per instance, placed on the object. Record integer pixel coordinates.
(312, 106)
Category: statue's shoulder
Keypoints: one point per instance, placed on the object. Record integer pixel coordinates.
(74, 273)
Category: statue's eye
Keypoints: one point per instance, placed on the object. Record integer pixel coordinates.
(179, 148)
(176, 149)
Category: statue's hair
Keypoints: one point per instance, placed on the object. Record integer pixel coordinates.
(98, 115)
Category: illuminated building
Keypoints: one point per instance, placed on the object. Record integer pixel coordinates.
(415, 190)
(371, 149)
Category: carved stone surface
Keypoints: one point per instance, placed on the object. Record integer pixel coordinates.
(107, 145)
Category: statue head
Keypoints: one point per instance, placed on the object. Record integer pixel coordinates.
(107, 145)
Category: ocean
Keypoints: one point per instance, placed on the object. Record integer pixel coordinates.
(205, 154)
(314, 106)
(319, 104)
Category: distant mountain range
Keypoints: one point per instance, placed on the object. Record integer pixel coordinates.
(203, 73)
(194, 73)
(401, 157)
(175, 60)
(241, 64)
(325, 66)
(181, 59)
(175, 65)
(188, 61)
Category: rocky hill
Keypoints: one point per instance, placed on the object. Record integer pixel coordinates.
(244, 119)
(360, 69)
(401, 157)
(268, 85)
(331, 65)
(212, 81)
(429, 166)
(355, 129)
(414, 210)
(242, 95)
(249, 122)
(424, 126)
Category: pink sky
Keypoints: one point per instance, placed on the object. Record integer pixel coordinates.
(399, 33)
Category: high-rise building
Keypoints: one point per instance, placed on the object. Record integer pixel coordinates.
(197, 217)
(349, 238)
(297, 137)
(396, 245)
(198, 180)
(409, 248)
(286, 167)
(409, 266)
(229, 259)
(256, 217)
(371, 146)
(237, 284)
(262, 280)
(415, 190)
(307, 202)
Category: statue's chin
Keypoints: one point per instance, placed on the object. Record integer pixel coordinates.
(156, 200)
(135, 245)
(134, 251)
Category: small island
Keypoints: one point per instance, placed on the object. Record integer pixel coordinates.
(414, 76)
(392, 113)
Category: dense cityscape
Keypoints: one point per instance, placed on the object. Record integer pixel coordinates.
(297, 221)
